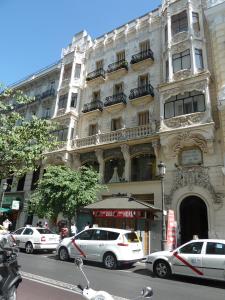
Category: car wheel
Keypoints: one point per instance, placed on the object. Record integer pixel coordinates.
(29, 248)
(162, 269)
(110, 261)
(63, 254)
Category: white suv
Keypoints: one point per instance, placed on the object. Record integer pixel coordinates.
(110, 246)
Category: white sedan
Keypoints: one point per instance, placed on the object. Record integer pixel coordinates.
(203, 258)
(36, 238)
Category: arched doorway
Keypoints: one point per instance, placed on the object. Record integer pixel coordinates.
(193, 218)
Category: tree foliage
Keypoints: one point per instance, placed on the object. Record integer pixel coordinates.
(22, 142)
(64, 190)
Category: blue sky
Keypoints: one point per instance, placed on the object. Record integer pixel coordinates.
(33, 32)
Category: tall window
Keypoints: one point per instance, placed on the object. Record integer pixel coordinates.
(167, 70)
(179, 22)
(63, 101)
(195, 22)
(144, 46)
(61, 134)
(143, 80)
(166, 33)
(199, 59)
(96, 96)
(187, 103)
(35, 177)
(67, 72)
(93, 129)
(77, 70)
(118, 88)
(20, 184)
(120, 56)
(143, 167)
(116, 124)
(143, 118)
(99, 64)
(181, 61)
(47, 113)
(73, 102)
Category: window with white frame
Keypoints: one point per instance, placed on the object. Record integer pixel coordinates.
(116, 124)
(62, 101)
(77, 71)
(195, 22)
(73, 102)
(99, 64)
(199, 59)
(96, 96)
(181, 61)
(118, 88)
(120, 56)
(144, 46)
(189, 102)
(93, 129)
(143, 80)
(179, 22)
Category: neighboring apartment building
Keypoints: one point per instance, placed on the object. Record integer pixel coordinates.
(146, 92)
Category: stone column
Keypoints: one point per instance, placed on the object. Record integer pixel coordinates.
(99, 155)
(126, 155)
(169, 39)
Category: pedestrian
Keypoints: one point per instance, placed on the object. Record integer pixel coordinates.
(73, 229)
(46, 225)
(64, 232)
(39, 224)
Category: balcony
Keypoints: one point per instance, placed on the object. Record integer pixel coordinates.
(46, 94)
(115, 102)
(142, 95)
(124, 134)
(117, 69)
(97, 76)
(142, 59)
(93, 107)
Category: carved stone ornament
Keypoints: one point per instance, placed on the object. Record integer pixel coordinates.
(180, 37)
(183, 121)
(193, 176)
(182, 74)
(178, 6)
(188, 139)
(180, 47)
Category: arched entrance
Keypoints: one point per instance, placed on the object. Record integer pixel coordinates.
(193, 218)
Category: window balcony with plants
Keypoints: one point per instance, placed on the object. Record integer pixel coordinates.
(143, 58)
(142, 94)
(116, 101)
(117, 69)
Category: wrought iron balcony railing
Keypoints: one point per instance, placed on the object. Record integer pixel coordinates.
(142, 56)
(142, 91)
(95, 105)
(114, 99)
(46, 94)
(95, 74)
(117, 65)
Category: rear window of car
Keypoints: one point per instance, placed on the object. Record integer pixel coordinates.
(132, 237)
(215, 248)
(44, 231)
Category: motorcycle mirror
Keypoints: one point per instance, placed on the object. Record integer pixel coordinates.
(147, 292)
(78, 262)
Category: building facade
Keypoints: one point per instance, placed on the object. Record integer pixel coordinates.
(151, 90)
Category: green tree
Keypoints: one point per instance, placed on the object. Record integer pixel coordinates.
(22, 142)
(64, 190)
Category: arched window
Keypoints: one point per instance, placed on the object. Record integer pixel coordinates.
(114, 170)
(187, 103)
(143, 167)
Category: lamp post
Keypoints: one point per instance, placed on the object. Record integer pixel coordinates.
(162, 172)
(4, 188)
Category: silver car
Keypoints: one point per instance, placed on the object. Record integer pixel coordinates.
(203, 258)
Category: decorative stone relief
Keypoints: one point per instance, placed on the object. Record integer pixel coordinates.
(183, 121)
(182, 74)
(180, 37)
(187, 139)
(190, 177)
(156, 147)
(180, 47)
(178, 6)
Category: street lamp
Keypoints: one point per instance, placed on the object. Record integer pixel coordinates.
(162, 172)
(4, 188)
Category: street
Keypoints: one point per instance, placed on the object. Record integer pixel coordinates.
(125, 282)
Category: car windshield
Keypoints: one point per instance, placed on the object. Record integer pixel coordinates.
(44, 231)
(132, 237)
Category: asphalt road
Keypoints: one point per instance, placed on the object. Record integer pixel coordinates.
(124, 283)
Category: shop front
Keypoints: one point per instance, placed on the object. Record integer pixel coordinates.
(119, 212)
(11, 207)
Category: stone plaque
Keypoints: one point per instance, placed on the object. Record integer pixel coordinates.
(191, 157)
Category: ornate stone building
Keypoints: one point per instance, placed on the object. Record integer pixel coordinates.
(151, 90)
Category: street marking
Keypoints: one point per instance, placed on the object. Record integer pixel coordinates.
(57, 284)
(78, 248)
(194, 269)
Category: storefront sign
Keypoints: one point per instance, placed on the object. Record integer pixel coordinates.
(16, 205)
(171, 231)
(114, 213)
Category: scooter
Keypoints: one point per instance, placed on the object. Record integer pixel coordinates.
(91, 294)
(10, 277)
